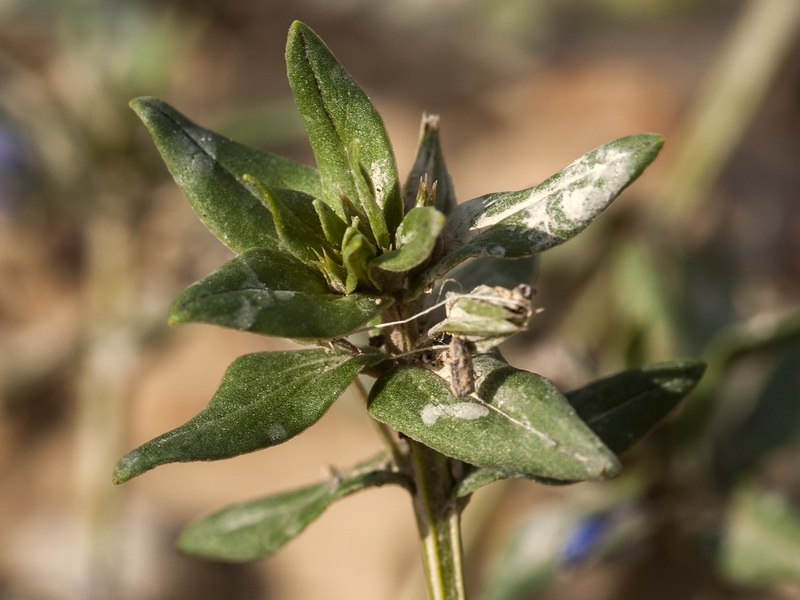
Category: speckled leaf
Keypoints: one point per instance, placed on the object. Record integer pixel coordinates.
(209, 168)
(256, 529)
(620, 409)
(336, 112)
(515, 422)
(273, 293)
(416, 238)
(264, 399)
(524, 223)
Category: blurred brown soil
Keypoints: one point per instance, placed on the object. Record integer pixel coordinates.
(507, 122)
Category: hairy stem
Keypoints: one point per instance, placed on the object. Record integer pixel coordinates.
(437, 511)
(438, 516)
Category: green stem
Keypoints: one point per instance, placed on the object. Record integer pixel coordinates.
(438, 516)
(437, 510)
(383, 431)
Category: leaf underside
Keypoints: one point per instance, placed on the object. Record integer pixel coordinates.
(264, 399)
(255, 529)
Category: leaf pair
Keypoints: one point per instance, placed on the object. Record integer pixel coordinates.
(258, 528)
(619, 410)
(518, 422)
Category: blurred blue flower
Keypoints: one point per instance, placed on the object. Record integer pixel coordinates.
(14, 166)
(584, 538)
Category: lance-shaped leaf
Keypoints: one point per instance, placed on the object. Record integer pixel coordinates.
(416, 238)
(209, 168)
(273, 293)
(296, 222)
(516, 422)
(367, 201)
(333, 227)
(264, 399)
(524, 223)
(256, 529)
(429, 165)
(621, 409)
(336, 112)
(624, 408)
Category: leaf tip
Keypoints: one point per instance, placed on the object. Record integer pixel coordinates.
(297, 25)
(144, 105)
(649, 144)
(611, 469)
(297, 32)
(177, 313)
(125, 470)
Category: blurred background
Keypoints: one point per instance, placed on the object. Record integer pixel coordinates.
(700, 257)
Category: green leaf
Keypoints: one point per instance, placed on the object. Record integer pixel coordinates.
(624, 408)
(524, 223)
(264, 399)
(357, 251)
(336, 112)
(416, 238)
(332, 226)
(259, 528)
(761, 541)
(209, 169)
(367, 201)
(296, 222)
(429, 165)
(273, 293)
(620, 409)
(516, 422)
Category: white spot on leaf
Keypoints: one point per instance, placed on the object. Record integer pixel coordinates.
(380, 173)
(460, 410)
(276, 433)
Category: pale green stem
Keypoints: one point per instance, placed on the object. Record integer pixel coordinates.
(438, 516)
(437, 511)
